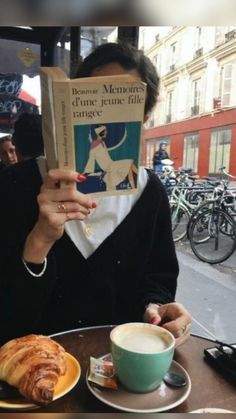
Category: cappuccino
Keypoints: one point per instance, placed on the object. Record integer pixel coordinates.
(142, 354)
(142, 342)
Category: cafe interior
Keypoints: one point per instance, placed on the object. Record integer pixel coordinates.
(90, 369)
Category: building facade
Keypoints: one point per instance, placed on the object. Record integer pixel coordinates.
(196, 112)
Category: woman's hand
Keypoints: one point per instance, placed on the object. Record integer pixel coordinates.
(56, 206)
(173, 317)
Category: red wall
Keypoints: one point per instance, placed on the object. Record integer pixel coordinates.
(177, 150)
(203, 124)
(204, 151)
(232, 164)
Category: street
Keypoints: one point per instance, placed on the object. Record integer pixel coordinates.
(209, 293)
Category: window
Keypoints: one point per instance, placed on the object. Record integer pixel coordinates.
(19, 81)
(173, 52)
(220, 149)
(169, 106)
(190, 158)
(198, 38)
(155, 61)
(226, 84)
(230, 33)
(173, 49)
(158, 62)
(196, 89)
(198, 42)
(90, 38)
(142, 39)
(151, 122)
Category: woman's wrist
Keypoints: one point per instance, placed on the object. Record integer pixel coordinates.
(36, 247)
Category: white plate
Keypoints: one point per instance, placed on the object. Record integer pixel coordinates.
(160, 400)
(64, 385)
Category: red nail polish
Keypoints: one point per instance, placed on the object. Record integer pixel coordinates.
(94, 205)
(154, 319)
(81, 177)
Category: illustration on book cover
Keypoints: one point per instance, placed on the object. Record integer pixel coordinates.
(108, 154)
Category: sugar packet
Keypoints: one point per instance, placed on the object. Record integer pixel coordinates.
(102, 372)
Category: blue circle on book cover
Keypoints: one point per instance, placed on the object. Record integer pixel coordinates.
(115, 134)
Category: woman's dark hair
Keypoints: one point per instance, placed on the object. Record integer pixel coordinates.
(129, 58)
(5, 138)
(27, 135)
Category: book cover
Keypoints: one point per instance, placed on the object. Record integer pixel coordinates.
(94, 126)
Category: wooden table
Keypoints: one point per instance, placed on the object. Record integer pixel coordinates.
(209, 389)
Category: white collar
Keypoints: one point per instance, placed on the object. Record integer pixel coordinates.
(104, 219)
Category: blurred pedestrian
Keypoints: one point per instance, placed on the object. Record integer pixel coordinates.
(7, 151)
(27, 136)
(159, 155)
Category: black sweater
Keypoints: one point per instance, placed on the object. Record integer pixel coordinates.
(135, 265)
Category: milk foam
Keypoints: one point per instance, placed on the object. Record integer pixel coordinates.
(142, 342)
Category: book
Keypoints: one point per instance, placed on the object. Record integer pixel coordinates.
(94, 126)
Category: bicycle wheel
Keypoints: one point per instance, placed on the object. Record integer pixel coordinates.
(230, 211)
(208, 239)
(226, 227)
(201, 234)
(179, 220)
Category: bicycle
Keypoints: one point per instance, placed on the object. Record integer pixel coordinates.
(212, 235)
(183, 203)
(212, 228)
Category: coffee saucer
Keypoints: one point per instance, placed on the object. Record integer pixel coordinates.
(212, 410)
(162, 399)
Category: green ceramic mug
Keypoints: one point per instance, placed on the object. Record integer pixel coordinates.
(142, 354)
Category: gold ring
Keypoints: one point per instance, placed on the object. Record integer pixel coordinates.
(61, 206)
(185, 328)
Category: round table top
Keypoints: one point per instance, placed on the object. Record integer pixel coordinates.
(209, 389)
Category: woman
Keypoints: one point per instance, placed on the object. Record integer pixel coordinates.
(81, 262)
(7, 152)
(159, 155)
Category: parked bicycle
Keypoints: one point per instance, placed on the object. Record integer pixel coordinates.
(184, 198)
(212, 228)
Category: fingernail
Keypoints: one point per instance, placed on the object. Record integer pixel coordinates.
(94, 205)
(154, 319)
(81, 177)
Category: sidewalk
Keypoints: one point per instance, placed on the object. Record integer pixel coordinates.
(228, 266)
(209, 295)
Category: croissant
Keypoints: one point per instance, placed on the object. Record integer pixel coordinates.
(33, 364)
